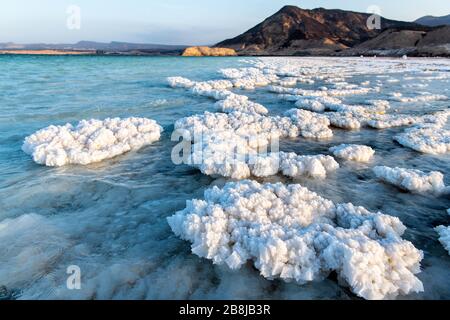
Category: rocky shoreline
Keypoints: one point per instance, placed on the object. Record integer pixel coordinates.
(293, 31)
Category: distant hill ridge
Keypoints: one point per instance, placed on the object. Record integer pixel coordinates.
(432, 21)
(92, 45)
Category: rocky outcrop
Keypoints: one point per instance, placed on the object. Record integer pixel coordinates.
(417, 42)
(208, 52)
(295, 31)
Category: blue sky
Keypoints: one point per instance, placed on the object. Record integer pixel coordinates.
(171, 21)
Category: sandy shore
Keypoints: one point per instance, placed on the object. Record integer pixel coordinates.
(46, 52)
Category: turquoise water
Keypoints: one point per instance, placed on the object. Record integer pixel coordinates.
(110, 218)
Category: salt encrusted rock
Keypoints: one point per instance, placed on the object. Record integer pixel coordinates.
(382, 121)
(310, 104)
(317, 166)
(222, 143)
(412, 180)
(248, 78)
(229, 145)
(431, 140)
(90, 140)
(344, 120)
(180, 82)
(318, 104)
(353, 152)
(444, 236)
(235, 102)
(264, 128)
(390, 121)
(311, 124)
(321, 93)
(293, 165)
(215, 160)
(423, 98)
(219, 90)
(380, 105)
(294, 234)
(345, 116)
(289, 81)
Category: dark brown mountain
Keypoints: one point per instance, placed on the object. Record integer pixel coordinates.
(412, 42)
(293, 31)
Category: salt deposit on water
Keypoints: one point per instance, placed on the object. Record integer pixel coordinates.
(110, 219)
(412, 180)
(218, 89)
(294, 234)
(444, 236)
(427, 140)
(311, 125)
(90, 140)
(193, 223)
(229, 146)
(293, 165)
(353, 152)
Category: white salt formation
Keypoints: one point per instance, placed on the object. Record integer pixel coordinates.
(213, 160)
(431, 140)
(344, 120)
(325, 99)
(436, 120)
(391, 121)
(423, 98)
(353, 152)
(215, 89)
(412, 180)
(289, 81)
(229, 145)
(180, 82)
(235, 102)
(219, 90)
(318, 104)
(249, 78)
(294, 234)
(279, 78)
(310, 104)
(352, 117)
(381, 105)
(264, 128)
(223, 143)
(444, 237)
(90, 140)
(318, 166)
(341, 92)
(311, 124)
(293, 165)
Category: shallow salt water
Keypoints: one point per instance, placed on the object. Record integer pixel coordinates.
(109, 218)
